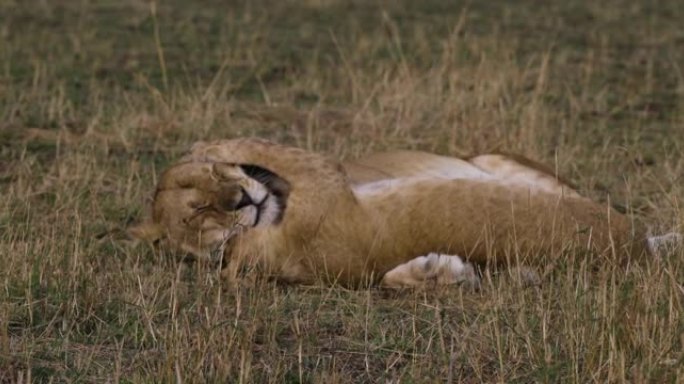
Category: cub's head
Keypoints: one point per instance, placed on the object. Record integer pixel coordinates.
(199, 207)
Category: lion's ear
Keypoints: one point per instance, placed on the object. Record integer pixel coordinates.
(146, 231)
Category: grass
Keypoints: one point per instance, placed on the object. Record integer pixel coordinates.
(97, 97)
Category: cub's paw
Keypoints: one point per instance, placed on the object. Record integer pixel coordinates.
(436, 268)
(660, 246)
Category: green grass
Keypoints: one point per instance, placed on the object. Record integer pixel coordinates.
(87, 122)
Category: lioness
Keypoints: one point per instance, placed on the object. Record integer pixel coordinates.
(298, 216)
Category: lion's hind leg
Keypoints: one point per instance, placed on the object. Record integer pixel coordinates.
(437, 268)
(520, 171)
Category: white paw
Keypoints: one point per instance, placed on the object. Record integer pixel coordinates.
(442, 269)
(661, 245)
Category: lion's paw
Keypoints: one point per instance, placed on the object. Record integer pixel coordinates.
(438, 268)
(660, 246)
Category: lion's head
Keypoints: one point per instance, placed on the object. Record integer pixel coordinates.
(199, 207)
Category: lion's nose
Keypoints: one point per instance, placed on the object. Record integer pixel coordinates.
(245, 200)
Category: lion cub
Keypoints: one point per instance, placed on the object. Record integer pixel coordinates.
(303, 217)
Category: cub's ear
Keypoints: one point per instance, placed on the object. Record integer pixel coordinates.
(146, 231)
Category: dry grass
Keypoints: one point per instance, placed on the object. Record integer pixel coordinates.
(96, 97)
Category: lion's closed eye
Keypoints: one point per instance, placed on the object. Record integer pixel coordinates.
(198, 209)
(199, 205)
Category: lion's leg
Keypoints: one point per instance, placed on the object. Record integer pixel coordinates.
(521, 171)
(441, 269)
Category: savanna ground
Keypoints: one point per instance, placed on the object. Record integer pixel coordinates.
(96, 97)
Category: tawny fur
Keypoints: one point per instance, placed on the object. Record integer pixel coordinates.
(330, 233)
(380, 172)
